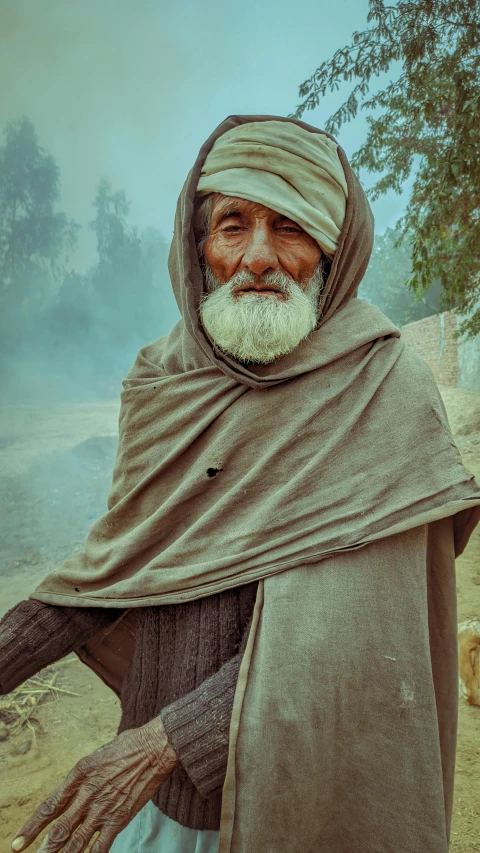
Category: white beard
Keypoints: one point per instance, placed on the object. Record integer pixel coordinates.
(256, 328)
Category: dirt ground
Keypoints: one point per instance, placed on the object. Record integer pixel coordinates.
(55, 466)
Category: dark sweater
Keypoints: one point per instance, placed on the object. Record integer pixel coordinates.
(185, 665)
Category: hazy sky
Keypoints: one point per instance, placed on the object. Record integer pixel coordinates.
(129, 89)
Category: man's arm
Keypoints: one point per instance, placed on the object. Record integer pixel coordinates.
(34, 635)
(198, 725)
(193, 731)
(103, 792)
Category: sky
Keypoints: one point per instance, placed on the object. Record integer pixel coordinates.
(130, 89)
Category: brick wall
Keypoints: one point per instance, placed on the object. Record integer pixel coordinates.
(433, 339)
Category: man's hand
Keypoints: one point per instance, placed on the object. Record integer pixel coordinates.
(103, 792)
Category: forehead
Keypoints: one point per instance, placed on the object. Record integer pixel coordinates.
(223, 205)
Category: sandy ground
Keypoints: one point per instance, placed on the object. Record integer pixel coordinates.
(55, 465)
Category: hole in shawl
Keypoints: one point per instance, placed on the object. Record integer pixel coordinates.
(77, 589)
(212, 472)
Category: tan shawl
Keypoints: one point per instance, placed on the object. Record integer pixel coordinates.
(227, 473)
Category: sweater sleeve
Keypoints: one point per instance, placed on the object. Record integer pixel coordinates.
(34, 635)
(198, 725)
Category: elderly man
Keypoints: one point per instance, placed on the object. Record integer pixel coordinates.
(271, 592)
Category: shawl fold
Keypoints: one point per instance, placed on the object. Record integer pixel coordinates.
(217, 484)
(364, 650)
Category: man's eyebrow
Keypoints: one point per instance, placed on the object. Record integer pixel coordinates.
(231, 210)
(282, 217)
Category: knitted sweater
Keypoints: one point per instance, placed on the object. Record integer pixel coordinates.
(185, 666)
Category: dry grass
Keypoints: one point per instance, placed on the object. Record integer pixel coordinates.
(18, 708)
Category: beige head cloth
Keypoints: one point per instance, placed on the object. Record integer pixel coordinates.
(286, 168)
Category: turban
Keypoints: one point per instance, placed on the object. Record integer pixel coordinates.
(286, 168)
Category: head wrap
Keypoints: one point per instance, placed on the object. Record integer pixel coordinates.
(286, 168)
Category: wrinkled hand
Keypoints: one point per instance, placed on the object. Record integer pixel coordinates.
(103, 792)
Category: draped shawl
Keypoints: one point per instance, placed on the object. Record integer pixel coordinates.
(228, 473)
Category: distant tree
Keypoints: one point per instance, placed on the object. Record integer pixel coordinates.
(118, 305)
(69, 318)
(60, 319)
(124, 283)
(115, 238)
(35, 238)
(384, 282)
(426, 122)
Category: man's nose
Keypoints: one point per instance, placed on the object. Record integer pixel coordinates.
(260, 255)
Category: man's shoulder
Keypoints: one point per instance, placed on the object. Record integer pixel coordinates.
(149, 361)
(414, 368)
(413, 386)
(152, 352)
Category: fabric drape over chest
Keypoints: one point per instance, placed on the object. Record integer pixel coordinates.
(228, 473)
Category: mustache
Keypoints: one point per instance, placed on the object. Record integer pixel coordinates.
(275, 279)
(280, 281)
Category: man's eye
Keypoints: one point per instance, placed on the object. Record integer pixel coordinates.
(290, 229)
(232, 228)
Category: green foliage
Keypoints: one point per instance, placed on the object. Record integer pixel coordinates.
(35, 239)
(128, 302)
(425, 122)
(116, 306)
(384, 282)
(54, 321)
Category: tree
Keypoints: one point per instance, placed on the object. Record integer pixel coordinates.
(124, 283)
(115, 307)
(35, 238)
(384, 281)
(426, 122)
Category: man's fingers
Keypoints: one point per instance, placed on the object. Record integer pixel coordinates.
(64, 829)
(47, 811)
(80, 840)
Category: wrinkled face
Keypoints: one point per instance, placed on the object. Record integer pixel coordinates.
(247, 237)
(263, 278)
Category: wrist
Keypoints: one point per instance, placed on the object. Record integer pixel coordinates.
(158, 745)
